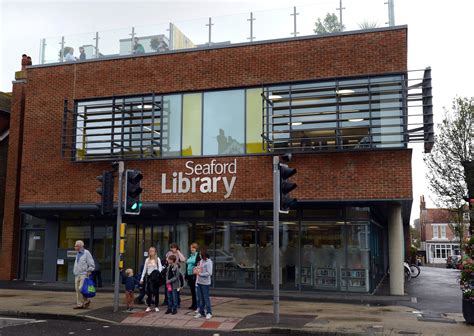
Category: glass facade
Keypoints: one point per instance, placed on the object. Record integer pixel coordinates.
(335, 115)
(344, 114)
(335, 249)
(192, 124)
(224, 127)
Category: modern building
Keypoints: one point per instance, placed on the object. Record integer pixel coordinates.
(202, 124)
(438, 237)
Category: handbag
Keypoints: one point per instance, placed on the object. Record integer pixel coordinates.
(88, 288)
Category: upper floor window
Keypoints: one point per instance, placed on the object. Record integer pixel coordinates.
(334, 115)
(439, 231)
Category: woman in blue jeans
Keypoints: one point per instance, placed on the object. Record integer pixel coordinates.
(203, 273)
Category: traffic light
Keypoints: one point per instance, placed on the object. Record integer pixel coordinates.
(133, 192)
(106, 191)
(286, 201)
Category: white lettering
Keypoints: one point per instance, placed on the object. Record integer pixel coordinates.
(193, 182)
(233, 167)
(189, 166)
(228, 186)
(206, 185)
(163, 185)
(215, 179)
(187, 184)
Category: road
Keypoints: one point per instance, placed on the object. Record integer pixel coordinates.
(22, 327)
(436, 290)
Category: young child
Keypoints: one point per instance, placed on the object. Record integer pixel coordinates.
(172, 284)
(130, 284)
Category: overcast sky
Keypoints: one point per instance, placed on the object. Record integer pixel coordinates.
(439, 35)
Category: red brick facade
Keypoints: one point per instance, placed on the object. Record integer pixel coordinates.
(48, 178)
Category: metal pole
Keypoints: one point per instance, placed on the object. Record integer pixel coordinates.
(295, 32)
(121, 169)
(131, 40)
(276, 239)
(61, 53)
(96, 44)
(210, 31)
(171, 38)
(251, 26)
(391, 12)
(340, 13)
(43, 48)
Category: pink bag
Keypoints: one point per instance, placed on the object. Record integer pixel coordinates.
(169, 288)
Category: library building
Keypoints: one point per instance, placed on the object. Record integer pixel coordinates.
(202, 123)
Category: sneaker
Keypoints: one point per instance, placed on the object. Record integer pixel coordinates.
(196, 311)
(148, 309)
(198, 315)
(157, 309)
(208, 316)
(174, 312)
(169, 311)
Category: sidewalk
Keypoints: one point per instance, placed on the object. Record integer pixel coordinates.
(238, 314)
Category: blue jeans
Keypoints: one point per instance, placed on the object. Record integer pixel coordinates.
(203, 299)
(173, 299)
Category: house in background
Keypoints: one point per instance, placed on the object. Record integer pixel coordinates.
(438, 240)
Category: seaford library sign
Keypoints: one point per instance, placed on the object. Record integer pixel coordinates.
(213, 177)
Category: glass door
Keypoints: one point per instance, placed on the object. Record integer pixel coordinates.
(103, 250)
(34, 255)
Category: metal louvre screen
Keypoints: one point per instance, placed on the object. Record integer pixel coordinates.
(115, 128)
(346, 114)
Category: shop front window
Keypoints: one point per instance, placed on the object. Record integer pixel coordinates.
(322, 254)
(235, 254)
(289, 256)
(355, 274)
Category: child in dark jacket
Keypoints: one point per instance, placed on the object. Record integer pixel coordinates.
(130, 284)
(172, 284)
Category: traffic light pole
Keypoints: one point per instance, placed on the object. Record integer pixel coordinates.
(121, 169)
(276, 239)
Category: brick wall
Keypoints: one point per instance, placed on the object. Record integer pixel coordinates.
(11, 228)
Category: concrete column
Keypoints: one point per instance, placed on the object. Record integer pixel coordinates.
(395, 248)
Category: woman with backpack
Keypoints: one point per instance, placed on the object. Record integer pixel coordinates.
(150, 277)
(191, 262)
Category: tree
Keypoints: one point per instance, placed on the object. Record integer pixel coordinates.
(415, 234)
(458, 225)
(454, 146)
(330, 24)
(368, 24)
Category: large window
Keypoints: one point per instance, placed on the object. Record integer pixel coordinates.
(335, 115)
(224, 129)
(359, 113)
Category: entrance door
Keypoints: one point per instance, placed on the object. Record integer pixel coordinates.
(103, 250)
(34, 255)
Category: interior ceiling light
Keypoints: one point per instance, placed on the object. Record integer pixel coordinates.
(344, 92)
(356, 120)
(297, 123)
(274, 97)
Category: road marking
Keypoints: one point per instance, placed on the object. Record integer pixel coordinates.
(414, 300)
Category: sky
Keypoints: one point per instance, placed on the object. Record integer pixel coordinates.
(439, 35)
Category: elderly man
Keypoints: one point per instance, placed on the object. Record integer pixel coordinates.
(83, 266)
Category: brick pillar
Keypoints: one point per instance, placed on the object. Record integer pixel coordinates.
(11, 226)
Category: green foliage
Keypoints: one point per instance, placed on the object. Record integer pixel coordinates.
(330, 24)
(467, 270)
(454, 144)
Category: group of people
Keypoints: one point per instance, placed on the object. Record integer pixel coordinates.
(68, 53)
(197, 269)
(25, 60)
